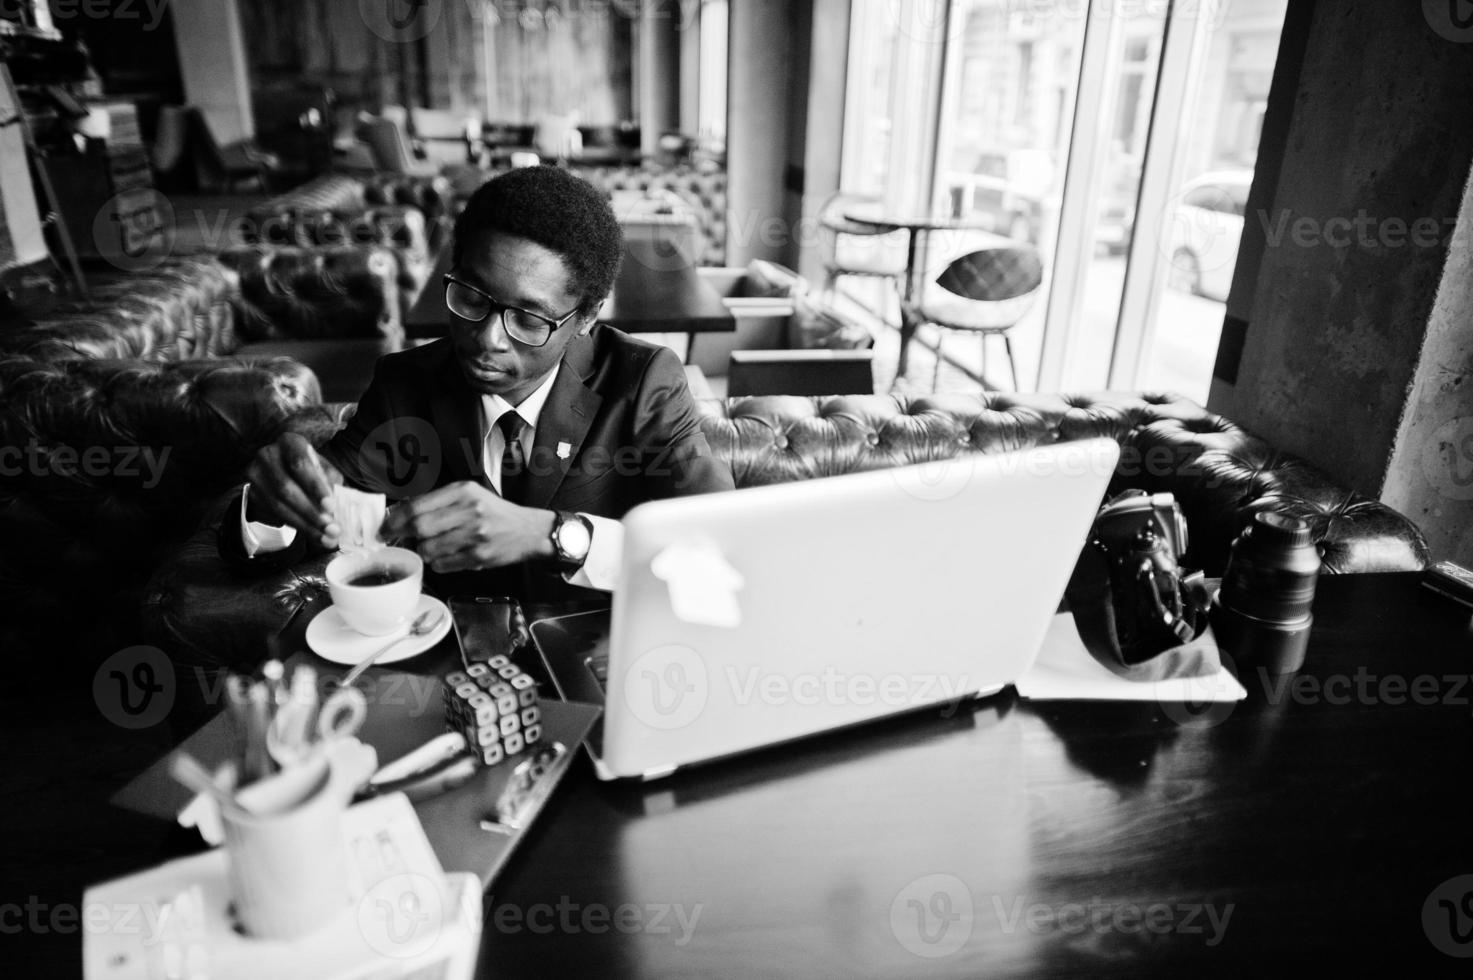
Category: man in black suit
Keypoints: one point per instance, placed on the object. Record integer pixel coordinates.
(512, 446)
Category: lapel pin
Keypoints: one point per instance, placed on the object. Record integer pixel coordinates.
(564, 450)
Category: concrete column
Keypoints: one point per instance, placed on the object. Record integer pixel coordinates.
(1430, 478)
(659, 72)
(688, 101)
(823, 144)
(759, 102)
(212, 63)
(1339, 342)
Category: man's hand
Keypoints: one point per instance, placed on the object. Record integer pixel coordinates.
(465, 526)
(291, 484)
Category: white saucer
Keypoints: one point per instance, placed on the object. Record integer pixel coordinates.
(332, 639)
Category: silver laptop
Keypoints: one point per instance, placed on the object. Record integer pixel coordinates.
(749, 619)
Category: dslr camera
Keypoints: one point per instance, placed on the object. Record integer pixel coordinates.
(1141, 538)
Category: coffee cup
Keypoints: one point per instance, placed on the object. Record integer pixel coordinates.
(375, 591)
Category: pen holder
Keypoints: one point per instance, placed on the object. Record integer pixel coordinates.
(287, 863)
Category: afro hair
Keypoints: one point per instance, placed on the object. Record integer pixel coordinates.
(558, 211)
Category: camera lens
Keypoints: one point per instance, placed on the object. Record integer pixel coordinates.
(1261, 615)
(1272, 571)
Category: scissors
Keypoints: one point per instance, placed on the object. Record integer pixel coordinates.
(294, 733)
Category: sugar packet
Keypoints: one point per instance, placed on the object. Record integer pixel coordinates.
(359, 517)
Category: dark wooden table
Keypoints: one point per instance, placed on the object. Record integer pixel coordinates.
(658, 291)
(1317, 826)
(1309, 825)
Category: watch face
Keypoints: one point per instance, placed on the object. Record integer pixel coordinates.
(573, 538)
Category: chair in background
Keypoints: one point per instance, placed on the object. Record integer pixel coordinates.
(186, 156)
(556, 137)
(445, 138)
(231, 167)
(855, 248)
(387, 136)
(985, 292)
(170, 139)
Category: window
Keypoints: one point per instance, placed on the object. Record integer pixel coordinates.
(1082, 134)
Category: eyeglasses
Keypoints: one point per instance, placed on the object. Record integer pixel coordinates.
(523, 326)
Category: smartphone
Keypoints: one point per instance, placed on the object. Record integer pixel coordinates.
(1452, 580)
(489, 626)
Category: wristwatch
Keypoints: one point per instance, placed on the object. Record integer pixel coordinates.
(572, 535)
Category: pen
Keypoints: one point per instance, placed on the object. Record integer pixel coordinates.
(237, 701)
(274, 673)
(304, 696)
(292, 727)
(257, 762)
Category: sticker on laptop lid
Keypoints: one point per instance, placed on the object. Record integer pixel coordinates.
(703, 585)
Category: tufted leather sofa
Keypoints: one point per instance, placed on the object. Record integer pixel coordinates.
(178, 310)
(199, 611)
(334, 292)
(215, 306)
(398, 229)
(433, 197)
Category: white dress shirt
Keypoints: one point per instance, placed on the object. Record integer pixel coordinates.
(598, 570)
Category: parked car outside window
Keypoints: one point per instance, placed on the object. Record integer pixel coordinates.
(1206, 226)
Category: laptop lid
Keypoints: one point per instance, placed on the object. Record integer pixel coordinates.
(752, 618)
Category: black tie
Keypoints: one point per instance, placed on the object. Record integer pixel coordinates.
(513, 459)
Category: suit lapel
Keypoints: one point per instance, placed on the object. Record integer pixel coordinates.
(457, 418)
(566, 418)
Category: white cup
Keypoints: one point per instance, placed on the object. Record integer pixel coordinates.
(380, 606)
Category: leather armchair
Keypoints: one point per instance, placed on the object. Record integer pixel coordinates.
(107, 467)
(121, 417)
(202, 612)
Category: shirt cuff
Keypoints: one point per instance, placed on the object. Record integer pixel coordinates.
(259, 538)
(601, 568)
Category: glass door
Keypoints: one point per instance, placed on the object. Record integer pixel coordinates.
(1005, 128)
